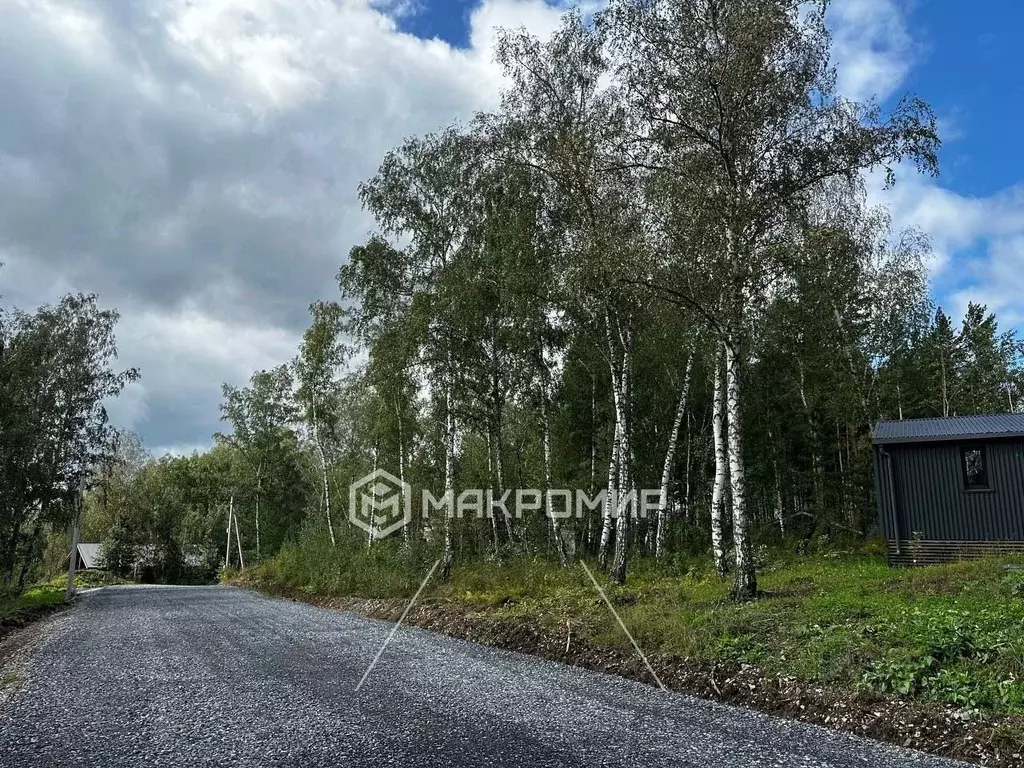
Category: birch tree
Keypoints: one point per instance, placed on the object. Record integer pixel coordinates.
(320, 356)
(664, 507)
(739, 97)
(562, 119)
(421, 193)
(261, 416)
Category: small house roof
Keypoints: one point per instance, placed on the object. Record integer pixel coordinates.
(90, 554)
(949, 428)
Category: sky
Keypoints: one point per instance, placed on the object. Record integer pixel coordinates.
(195, 162)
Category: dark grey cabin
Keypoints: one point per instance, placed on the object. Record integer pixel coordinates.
(950, 487)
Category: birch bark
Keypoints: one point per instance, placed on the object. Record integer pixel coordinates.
(745, 586)
(623, 392)
(670, 454)
(323, 470)
(718, 423)
(448, 556)
(608, 521)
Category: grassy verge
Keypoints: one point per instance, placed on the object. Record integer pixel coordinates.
(16, 610)
(952, 634)
(88, 580)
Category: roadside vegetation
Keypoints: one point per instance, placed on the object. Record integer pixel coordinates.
(16, 609)
(652, 266)
(19, 607)
(57, 371)
(632, 274)
(952, 634)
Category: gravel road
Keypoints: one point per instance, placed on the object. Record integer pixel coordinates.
(217, 676)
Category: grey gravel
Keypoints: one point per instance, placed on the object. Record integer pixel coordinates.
(217, 676)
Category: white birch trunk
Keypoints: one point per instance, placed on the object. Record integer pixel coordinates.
(554, 523)
(495, 539)
(323, 472)
(670, 455)
(401, 468)
(227, 548)
(745, 586)
(718, 419)
(499, 466)
(624, 410)
(448, 556)
(608, 521)
(779, 515)
(259, 489)
(238, 536)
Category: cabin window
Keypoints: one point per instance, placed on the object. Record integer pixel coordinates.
(975, 468)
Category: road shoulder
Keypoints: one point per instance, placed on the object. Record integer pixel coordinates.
(923, 726)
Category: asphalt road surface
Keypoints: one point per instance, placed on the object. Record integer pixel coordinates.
(217, 676)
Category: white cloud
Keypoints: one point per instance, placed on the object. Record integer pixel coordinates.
(956, 223)
(872, 49)
(196, 164)
(998, 280)
(978, 241)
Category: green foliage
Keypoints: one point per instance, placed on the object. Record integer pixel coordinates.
(56, 373)
(15, 606)
(952, 633)
(316, 567)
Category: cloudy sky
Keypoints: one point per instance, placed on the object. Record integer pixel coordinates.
(195, 161)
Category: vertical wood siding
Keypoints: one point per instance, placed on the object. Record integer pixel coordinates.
(931, 500)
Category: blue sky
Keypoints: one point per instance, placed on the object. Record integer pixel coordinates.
(971, 69)
(966, 60)
(195, 161)
(444, 19)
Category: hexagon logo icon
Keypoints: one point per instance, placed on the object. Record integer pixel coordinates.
(380, 503)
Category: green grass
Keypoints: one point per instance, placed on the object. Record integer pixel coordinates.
(88, 579)
(13, 607)
(952, 633)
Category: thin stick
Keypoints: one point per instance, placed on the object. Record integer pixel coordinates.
(618, 619)
(394, 629)
(76, 527)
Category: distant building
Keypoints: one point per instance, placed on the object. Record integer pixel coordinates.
(88, 557)
(950, 487)
(144, 556)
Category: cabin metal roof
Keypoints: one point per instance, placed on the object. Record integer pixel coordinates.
(90, 554)
(991, 425)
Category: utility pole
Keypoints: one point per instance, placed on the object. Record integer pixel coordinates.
(238, 536)
(227, 550)
(76, 524)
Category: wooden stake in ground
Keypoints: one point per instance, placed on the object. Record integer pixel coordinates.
(238, 536)
(227, 549)
(76, 525)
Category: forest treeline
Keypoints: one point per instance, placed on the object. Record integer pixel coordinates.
(56, 373)
(654, 266)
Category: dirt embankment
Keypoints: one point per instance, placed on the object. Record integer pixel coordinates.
(9, 624)
(919, 725)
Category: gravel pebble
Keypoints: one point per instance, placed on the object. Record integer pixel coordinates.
(218, 676)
